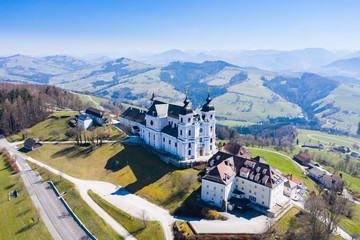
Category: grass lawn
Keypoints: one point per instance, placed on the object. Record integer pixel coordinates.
(284, 223)
(129, 166)
(43, 129)
(284, 164)
(116, 134)
(142, 230)
(18, 217)
(352, 226)
(88, 217)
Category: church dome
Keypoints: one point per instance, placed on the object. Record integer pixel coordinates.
(207, 107)
(186, 109)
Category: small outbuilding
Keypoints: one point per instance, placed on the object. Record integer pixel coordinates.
(31, 144)
(355, 154)
(84, 121)
(303, 158)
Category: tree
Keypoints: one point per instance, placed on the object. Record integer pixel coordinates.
(116, 111)
(312, 224)
(25, 133)
(187, 180)
(347, 158)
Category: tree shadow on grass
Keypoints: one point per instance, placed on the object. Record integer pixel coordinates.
(74, 152)
(23, 229)
(146, 168)
(23, 213)
(10, 186)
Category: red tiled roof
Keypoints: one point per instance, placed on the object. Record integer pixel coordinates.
(236, 150)
(294, 179)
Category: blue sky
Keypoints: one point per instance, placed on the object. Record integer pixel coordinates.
(80, 27)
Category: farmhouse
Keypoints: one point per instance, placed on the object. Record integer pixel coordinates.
(355, 154)
(231, 177)
(308, 145)
(332, 181)
(96, 115)
(31, 144)
(175, 129)
(303, 158)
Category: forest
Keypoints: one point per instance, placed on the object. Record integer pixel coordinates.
(24, 105)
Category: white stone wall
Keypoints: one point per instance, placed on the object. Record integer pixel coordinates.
(214, 192)
(85, 124)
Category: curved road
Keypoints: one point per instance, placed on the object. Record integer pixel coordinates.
(56, 217)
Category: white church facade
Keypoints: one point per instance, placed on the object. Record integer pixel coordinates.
(176, 129)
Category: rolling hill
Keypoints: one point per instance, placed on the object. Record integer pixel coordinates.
(240, 94)
(348, 67)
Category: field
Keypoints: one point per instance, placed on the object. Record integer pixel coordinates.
(233, 123)
(315, 137)
(249, 101)
(42, 130)
(86, 99)
(129, 166)
(284, 164)
(347, 98)
(19, 218)
(140, 228)
(88, 217)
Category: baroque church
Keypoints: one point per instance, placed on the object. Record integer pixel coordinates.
(176, 129)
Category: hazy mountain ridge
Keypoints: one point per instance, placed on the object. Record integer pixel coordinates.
(349, 67)
(38, 70)
(239, 93)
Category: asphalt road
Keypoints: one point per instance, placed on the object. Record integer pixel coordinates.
(56, 217)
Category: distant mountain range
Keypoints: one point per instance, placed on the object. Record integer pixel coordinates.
(309, 60)
(239, 93)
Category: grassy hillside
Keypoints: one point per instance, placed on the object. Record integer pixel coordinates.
(346, 98)
(43, 129)
(19, 218)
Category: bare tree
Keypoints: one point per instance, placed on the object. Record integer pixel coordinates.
(313, 223)
(187, 180)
